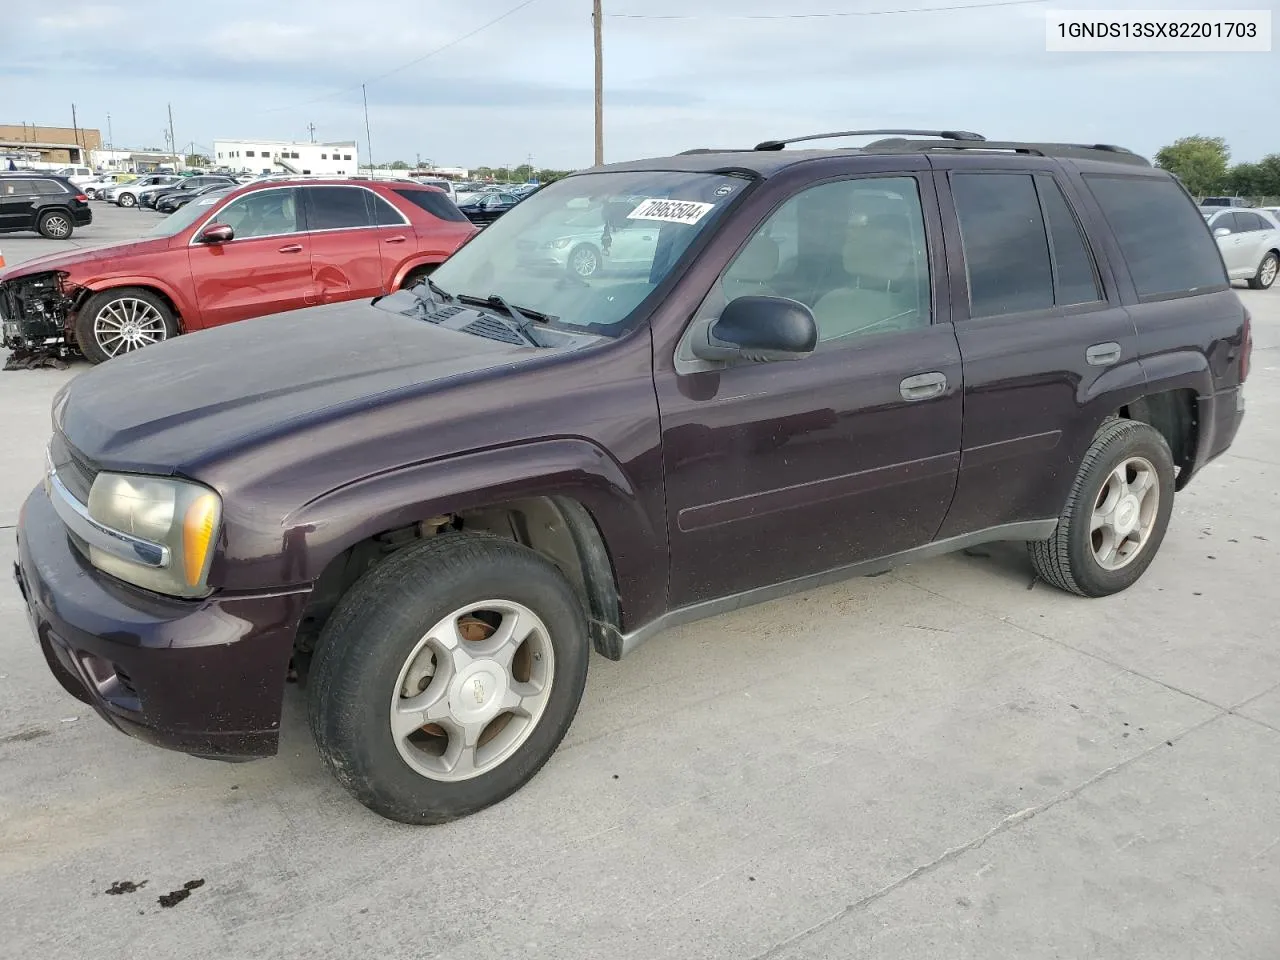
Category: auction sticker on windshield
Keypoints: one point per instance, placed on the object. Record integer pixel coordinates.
(671, 211)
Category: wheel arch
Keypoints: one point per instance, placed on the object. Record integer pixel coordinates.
(565, 499)
(150, 284)
(1174, 414)
(424, 266)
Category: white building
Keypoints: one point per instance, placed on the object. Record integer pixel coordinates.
(283, 156)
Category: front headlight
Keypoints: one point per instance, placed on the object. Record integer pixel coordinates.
(181, 516)
(559, 244)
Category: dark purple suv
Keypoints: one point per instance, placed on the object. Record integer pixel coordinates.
(784, 367)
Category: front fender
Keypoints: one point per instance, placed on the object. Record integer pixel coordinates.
(565, 467)
(171, 293)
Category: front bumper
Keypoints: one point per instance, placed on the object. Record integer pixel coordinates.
(202, 677)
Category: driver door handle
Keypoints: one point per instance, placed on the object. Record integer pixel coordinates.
(291, 248)
(395, 240)
(923, 386)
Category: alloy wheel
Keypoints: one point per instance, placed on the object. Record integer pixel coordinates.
(128, 324)
(472, 690)
(1124, 513)
(57, 226)
(585, 262)
(1267, 275)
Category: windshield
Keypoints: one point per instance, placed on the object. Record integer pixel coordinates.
(175, 223)
(586, 250)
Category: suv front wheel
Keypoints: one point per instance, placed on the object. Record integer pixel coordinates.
(447, 677)
(1116, 515)
(120, 321)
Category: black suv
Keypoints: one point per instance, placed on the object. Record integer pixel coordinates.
(788, 367)
(50, 205)
(188, 185)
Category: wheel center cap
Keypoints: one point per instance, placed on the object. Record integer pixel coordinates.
(1127, 511)
(477, 691)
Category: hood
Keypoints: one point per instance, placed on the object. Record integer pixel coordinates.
(97, 256)
(170, 407)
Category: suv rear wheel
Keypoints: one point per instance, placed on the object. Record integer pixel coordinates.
(126, 200)
(1116, 515)
(121, 321)
(447, 677)
(55, 224)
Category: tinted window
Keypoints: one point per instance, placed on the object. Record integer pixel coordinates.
(436, 204)
(1074, 280)
(15, 188)
(384, 214)
(852, 251)
(47, 188)
(1248, 222)
(264, 213)
(1163, 238)
(1005, 246)
(336, 208)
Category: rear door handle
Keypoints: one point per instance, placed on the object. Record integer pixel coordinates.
(291, 248)
(395, 240)
(923, 386)
(1103, 354)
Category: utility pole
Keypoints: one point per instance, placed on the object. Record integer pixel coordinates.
(173, 143)
(311, 128)
(368, 137)
(111, 140)
(75, 129)
(595, 19)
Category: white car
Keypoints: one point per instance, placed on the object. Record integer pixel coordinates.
(77, 175)
(126, 194)
(1250, 243)
(93, 188)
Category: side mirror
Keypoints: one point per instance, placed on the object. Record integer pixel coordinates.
(216, 233)
(1222, 232)
(758, 329)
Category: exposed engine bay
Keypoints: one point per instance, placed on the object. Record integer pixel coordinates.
(33, 321)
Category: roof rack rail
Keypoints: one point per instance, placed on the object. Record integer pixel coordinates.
(960, 135)
(1077, 151)
(701, 150)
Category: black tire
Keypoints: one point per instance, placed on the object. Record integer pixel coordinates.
(1266, 274)
(126, 200)
(91, 193)
(56, 225)
(417, 275)
(1066, 560)
(579, 257)
(96, 350)
(374, 630)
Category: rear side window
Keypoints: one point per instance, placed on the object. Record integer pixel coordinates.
(384, 214)
(1249, 222)
(336, 208)
(1074, 278)
(436, 204)
(48, 188)
(1006, 249)
(1162, 236)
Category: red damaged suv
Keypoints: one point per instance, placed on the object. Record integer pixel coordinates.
(254, 250)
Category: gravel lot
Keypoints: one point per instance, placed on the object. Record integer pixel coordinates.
(946, 761)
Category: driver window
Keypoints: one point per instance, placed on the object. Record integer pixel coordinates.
(852, 251)
(264, 213)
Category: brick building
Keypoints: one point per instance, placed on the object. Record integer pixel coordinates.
(52, 144)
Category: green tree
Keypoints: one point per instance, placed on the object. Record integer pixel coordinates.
(1199, 162)
(482, 173)
(1246, 180)
(522, 172)
(399, 165)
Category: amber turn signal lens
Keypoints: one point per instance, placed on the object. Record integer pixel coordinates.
(197, 532)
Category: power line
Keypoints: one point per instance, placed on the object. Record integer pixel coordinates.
(822, 16)
(412, 63)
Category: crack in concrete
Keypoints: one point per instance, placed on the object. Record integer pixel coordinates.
(954, 853)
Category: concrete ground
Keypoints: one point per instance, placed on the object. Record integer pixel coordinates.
(948, 761)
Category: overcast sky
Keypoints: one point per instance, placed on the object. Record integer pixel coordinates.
(250, 69)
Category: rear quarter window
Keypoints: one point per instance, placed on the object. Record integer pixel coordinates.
(1163, 237)
(436, 204)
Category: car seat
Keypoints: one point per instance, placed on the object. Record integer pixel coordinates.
(883, 289)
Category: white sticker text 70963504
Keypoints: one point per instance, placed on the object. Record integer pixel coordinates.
(671, 211)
